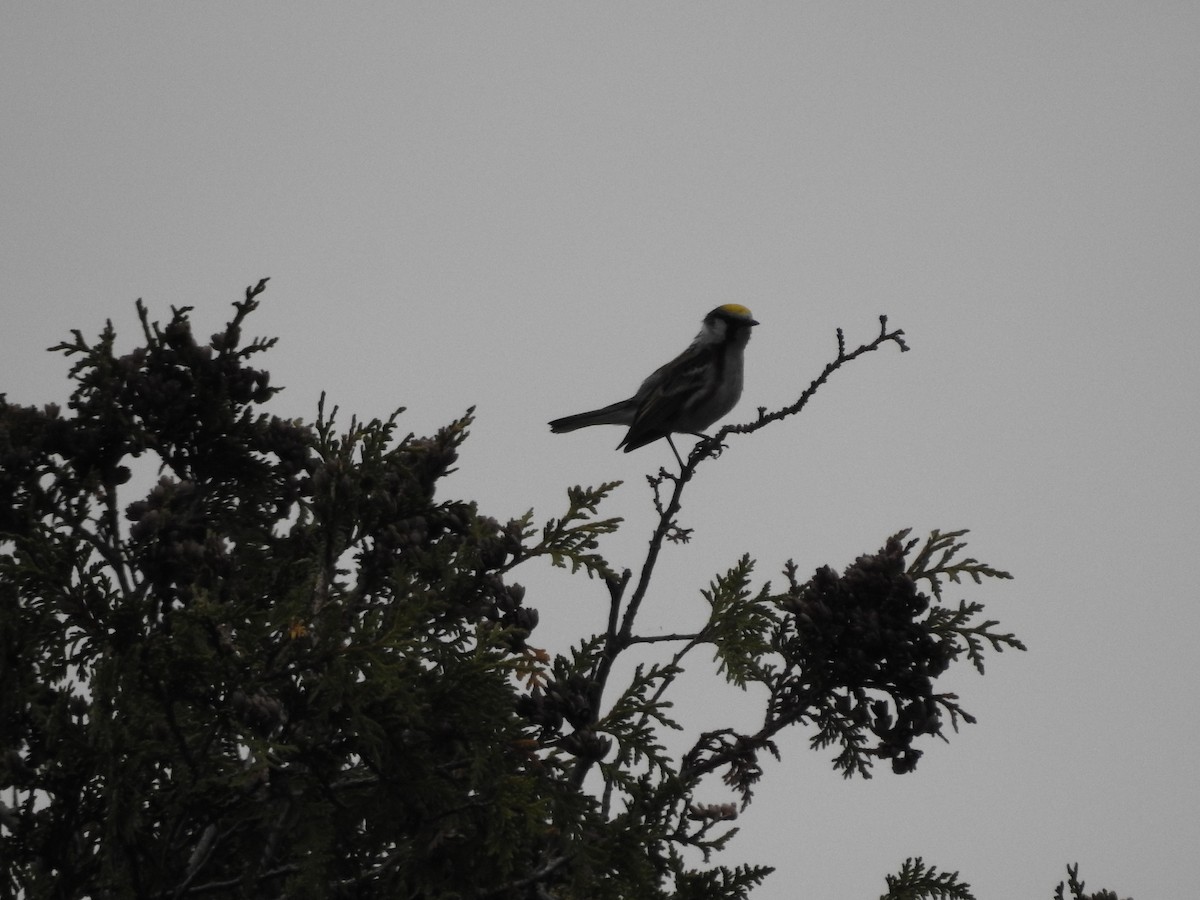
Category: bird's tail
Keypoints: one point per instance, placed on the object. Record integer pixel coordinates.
(619, 413)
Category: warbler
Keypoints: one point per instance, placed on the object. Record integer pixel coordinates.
(688, 394)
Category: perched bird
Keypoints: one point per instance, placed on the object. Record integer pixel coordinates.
(686, 395)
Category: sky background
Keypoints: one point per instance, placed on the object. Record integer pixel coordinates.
(528, 207)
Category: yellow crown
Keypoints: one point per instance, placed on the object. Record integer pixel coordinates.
(736, 309)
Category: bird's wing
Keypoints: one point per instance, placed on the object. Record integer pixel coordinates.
(672, 389)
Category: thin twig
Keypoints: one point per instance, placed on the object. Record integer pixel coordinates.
(764, 418)
(656, 638)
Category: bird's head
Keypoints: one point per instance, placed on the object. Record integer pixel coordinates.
(727, 323)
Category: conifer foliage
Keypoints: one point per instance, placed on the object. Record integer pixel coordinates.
(286, 666)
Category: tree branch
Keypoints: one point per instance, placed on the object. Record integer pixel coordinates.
(764, 418)
(657, 638)
(538, 875)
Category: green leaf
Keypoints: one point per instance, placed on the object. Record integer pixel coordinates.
(740, 626)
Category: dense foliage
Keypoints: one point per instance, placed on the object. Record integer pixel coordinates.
(287, 667)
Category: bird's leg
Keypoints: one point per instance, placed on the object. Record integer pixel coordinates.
(676, 452)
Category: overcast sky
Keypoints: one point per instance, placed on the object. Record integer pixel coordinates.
(528, 207)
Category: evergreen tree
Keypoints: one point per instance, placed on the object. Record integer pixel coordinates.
(292, 668)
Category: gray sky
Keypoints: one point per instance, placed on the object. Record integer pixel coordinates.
(529, 207)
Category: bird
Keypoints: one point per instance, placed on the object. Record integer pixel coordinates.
(685, 396)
